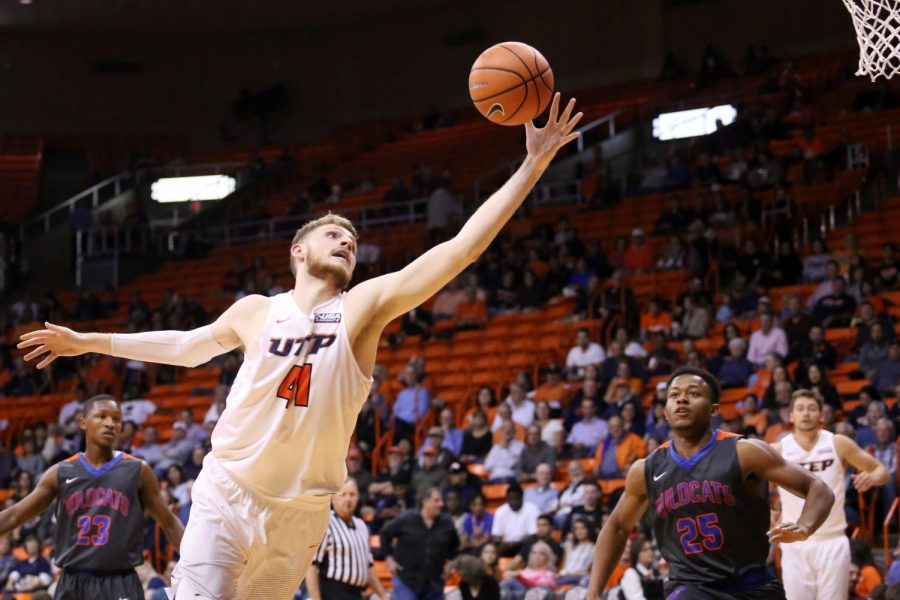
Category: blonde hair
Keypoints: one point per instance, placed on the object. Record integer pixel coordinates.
(309, 226)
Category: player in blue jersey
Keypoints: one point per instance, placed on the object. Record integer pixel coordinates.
(100, 514)
(707, 493)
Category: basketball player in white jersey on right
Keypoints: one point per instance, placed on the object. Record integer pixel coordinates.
(261, 503)
(819, 567)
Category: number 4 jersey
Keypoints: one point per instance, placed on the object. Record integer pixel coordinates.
(294, 404)
(709, 522)
(100, 519)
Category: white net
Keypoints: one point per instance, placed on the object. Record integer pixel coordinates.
(877, 24)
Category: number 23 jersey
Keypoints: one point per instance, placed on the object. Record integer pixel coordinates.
(709, 522)
(293, 406)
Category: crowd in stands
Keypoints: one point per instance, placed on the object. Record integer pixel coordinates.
(530, 471)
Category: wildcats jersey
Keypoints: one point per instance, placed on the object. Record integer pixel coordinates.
(823, 462)
(100, 519)
(293, 406)
(709, 522)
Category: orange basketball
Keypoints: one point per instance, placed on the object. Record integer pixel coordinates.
(511, 83)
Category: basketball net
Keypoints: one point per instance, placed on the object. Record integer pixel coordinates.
(877, 24)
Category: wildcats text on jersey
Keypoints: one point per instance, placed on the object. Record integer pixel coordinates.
(693, 492)
(97, 496)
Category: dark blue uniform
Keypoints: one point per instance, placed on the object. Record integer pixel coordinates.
(99, 529)
(710, 523)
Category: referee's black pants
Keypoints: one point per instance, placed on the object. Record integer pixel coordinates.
(338, 590)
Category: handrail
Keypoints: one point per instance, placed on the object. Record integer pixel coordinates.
(115, 184)
(884, 528)
(867, 516)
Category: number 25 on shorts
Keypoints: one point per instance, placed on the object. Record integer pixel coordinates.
(294, 388)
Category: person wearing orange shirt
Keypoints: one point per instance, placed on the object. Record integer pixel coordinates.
(554, 390)
(471, 312)
(616, 453)
(639, 256)
(655, 319)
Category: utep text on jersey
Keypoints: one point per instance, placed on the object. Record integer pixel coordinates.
(99, 515)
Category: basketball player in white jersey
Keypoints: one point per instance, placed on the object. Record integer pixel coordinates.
(819, 567)
(261, 503)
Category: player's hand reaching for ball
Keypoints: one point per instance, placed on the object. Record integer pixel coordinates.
(544, 142)
(788, 532)
(54, 341)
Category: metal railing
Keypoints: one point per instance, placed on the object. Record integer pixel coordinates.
(106, 190)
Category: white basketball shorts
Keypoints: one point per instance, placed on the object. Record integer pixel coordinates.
(816, 568)
(237, 546)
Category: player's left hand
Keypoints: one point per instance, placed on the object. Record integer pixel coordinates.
(543, 143)
(862, 481)
(787, 533)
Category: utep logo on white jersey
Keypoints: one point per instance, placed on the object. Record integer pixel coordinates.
(284, 346)
(327, 317)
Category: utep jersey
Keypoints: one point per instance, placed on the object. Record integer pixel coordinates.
(293, 406)
(709, 526)
(100, 518)
(823, 462)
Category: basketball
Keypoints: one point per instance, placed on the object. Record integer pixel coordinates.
(511, 83)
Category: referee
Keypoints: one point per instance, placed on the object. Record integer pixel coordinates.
(342, 567)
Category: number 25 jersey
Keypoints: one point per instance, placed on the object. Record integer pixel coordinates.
(293, 406)
(709, 523)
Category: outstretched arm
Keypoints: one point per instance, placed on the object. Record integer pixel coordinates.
(760, 459)
(154, 504)
(181, 348)
(871, 473)
(31, 505)
(614, 535)
(397, 293)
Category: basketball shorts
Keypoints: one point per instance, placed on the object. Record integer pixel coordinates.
(78, 585)
(759, 586)
(238, 546)
(816, 568)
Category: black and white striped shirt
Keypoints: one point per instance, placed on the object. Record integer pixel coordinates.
(344, 554)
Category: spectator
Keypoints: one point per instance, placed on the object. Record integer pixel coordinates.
(735, 370)
(31, 573)
(787, 268)
(632, 348)
(695, 321)
(869, 575)
(816, 349)
(412, 403)
(835, 309)
(768, 338)
(177, 451)
(151, 450)
(448, 300)
(31, 460)
(642, 579)
(752, 418)
(639, 256)
(435, 440)
(887, 372)
(826, 288)
(503, 458)
(535, 453)
(543, 494)
(868, 317)
(657, 426)
(194, 465)
(815, 266)
(477, 524)
(662, 360)
(579, 552)
(817, 381)
(522, 408)
(590, 390)
(795, 322)
(548, 425)
(195, 433)
(543, 534)
(538, 578)
(584, 353)
(514, 521)
(572, 495)
(471, 313)
(554, 390)
(414, 573)
(885, 451)
(477, 439)
(888, 272)
(588, 432)
(442, 211)
(654, 320)
(619, 394)
(453, 437)
(874, 350)
(592, 509)
(430, 473)
(474, 580)
(673, 220)
(618, 451)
